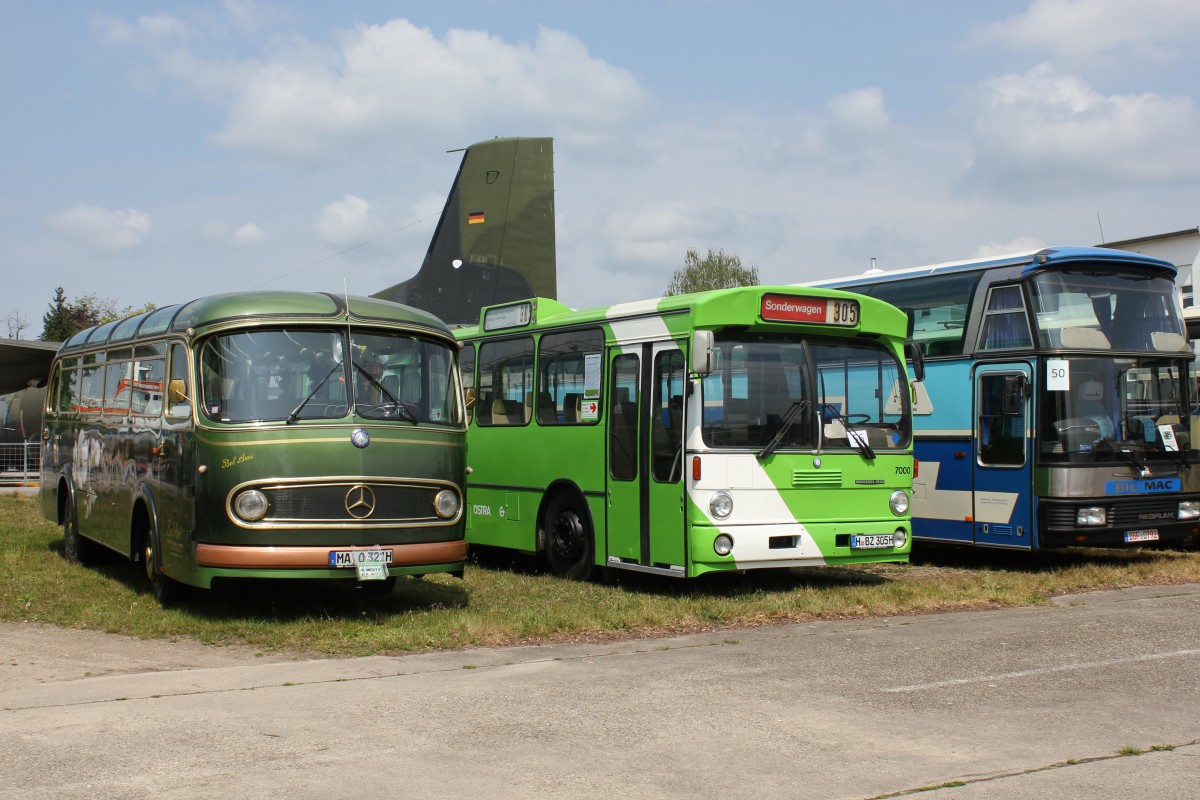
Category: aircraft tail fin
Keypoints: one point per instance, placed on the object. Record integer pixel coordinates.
(495, 240)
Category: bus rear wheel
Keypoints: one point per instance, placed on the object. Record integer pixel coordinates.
(570, 546)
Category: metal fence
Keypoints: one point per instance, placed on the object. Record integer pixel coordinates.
(20, 463)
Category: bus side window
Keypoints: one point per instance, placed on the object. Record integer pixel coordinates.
(505, 374)
(179, 390)
(562, 379)
(68, 387)
(666, 428)
(624, 424)
(118, 386)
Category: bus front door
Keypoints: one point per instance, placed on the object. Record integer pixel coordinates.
(1002, 489)
(645, 515)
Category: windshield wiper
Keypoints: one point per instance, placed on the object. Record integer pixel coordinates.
(392, 401)
(785, 424)
(1126, 456)
(857, 440)
(296, 411)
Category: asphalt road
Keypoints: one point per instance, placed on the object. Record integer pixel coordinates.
(1013, 703)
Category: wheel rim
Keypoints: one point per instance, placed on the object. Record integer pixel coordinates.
(567, 535)
(148, 557)
(70, 543)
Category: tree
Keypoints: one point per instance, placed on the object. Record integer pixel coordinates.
(64, 319)
(16, 322)
(58, 324)
(717, 270)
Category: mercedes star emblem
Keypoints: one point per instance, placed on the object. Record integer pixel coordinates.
(360, 501)
(360, 438)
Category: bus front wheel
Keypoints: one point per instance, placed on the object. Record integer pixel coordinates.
(166, 590)
(76, 548)
(570, 546)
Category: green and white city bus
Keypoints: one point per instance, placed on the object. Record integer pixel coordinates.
(262, 434)
(728, 430)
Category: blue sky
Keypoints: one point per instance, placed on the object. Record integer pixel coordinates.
(158, 151)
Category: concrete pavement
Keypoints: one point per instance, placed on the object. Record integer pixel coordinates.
(1025, 702)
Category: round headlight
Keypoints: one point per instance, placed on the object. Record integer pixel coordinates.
(723, 544)
(899, 538)
(446, 504)
(899, 502)
(721, 505)
(251, 505)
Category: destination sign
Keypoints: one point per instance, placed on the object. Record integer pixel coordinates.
(819, 310)
(501, 317)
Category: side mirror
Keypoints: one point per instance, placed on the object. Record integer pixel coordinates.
(177, 392)
(915, 352)
(702, 352)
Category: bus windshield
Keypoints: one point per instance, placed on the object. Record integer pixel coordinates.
(860, 396)
(297, 374)
(1114, 409)
(1105, 309)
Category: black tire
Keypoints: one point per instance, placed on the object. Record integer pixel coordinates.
(76, 548)
(167, 591)
(570, 545)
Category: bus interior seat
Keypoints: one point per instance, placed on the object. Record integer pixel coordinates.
(943, 347)
(1083, 338)
(499, 415)
(391, 385)
(571, 406)
(675, 412)
(1168, 341)
(547, 414)
(1091, 404)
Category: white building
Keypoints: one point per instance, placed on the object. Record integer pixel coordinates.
(1181, 248)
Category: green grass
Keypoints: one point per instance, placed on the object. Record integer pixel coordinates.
(511, 600)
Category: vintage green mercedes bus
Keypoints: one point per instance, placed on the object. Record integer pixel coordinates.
(261, 434)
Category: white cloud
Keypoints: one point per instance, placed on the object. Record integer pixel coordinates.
(1047, 129)
(147, 30)
(243, 236)
(1147, 29)
(247, 16)
(1022, 244)
(102, 229)
(389, 83)
(859, 113)
(346, 221)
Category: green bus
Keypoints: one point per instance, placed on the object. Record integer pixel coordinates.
(261, 434)
(729, 430)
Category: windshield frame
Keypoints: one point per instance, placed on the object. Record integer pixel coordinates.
(767, 395)
(1110, 309)
(1114, 409)
(297, 373)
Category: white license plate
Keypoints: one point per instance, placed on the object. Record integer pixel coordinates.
(871, 541)
(352, 558)
(1141, 536)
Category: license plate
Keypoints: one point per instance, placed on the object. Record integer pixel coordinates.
(1141, 536)
(352, 558)
(871, 541)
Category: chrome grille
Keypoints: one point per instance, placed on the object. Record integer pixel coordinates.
(327, 503)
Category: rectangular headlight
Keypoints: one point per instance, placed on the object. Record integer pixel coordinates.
(1189, 509)
(1091, 516)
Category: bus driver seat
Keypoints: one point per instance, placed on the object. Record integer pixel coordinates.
(1091, 407)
